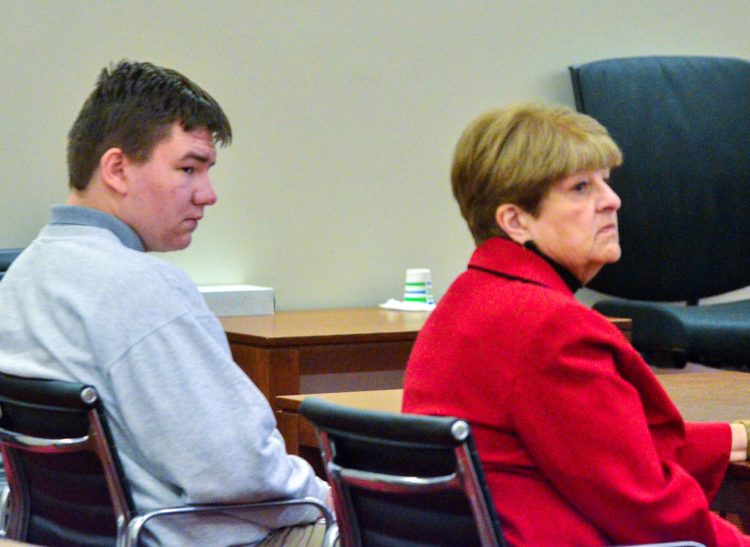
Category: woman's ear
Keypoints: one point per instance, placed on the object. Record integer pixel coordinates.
(514, 222)
(112, 170)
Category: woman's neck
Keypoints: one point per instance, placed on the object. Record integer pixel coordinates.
(570, 280)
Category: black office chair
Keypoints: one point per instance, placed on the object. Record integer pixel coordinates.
(67, 486)
(401, 479)
(6, 257)
(683, 124)
(407, 480)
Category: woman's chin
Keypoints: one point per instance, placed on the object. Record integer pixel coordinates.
(612, 253)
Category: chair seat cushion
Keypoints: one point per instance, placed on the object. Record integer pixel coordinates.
(715, 334)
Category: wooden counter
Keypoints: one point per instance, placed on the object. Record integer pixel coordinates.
(328, 351)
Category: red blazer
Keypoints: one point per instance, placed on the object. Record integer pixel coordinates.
(579, 442)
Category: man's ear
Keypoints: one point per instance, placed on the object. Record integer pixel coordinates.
(514, 222)
(112, 170)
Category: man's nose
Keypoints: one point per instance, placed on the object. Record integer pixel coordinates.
(204, 194)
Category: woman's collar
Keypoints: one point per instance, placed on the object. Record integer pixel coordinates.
(570, 280)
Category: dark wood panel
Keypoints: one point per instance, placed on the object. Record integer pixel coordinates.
(371, 356)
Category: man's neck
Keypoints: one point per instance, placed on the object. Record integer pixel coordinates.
(93, 200)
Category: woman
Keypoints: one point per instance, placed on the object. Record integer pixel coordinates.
(579, 442)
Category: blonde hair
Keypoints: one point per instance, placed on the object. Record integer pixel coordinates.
(515, 154)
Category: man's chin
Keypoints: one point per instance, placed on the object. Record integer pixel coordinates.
(166, 247)
(182, 245)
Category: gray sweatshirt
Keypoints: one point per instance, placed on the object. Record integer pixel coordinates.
(85, 303)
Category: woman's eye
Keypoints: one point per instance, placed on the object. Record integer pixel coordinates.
(581, 186)
(188, 170)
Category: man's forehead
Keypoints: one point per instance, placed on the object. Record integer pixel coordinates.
(198, 142)
(201, 133)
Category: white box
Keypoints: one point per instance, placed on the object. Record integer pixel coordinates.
(226, 300)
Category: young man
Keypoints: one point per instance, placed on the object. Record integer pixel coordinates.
(85, 302)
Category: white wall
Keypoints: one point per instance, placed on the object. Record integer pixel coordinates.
(345, 115)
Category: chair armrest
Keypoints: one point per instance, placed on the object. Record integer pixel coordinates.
(668, 544)
(130, 536)
(4, 509)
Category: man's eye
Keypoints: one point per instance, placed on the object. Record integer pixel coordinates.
(188, 170)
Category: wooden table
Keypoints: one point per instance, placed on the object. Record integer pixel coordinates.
(701, 397)
(717, 397)
(328, 351)
(323, 351)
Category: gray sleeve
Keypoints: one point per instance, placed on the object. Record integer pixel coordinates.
(192, 418)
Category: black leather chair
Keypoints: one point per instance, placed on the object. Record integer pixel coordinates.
(407, 480)
(683, 124)
(6, 257)
(401, 479)
(67, 486)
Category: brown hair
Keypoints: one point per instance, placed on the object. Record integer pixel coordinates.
(133, 107)
(514, 154)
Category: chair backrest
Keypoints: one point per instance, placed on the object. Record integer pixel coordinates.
(401, 479)
(6, 257)
(66, 482)
(683, 124)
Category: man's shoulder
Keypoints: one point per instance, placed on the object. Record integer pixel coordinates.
(92, 261)
(150, 278)
(102, 254)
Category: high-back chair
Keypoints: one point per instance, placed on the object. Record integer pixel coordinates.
(67, 486)
(683, 124)
(401, 479)
(6, 257)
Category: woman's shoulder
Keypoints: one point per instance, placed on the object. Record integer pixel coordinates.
(551, 314)
(531, 308)
(561, 310)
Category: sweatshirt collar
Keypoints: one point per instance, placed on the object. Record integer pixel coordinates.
(86, 216)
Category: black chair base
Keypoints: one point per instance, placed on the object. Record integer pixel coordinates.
(716, 335)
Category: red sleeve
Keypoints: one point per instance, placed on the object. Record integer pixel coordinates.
(585, 427)
(700, 457)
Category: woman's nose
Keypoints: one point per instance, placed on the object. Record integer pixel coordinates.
(609, 198)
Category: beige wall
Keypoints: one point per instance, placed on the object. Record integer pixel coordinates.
(345, 115)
